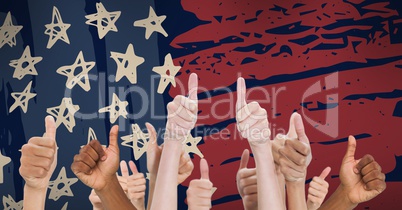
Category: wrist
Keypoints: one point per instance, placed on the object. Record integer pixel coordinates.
(97, 206)
(138, 204)
(295, 184)
(343, 193)
(339, 200)
(296, 181)
(152, 177)
(174, 136)
(34, 198)
(173, 145)
(261, 146)
(111, 184)
(35, 190)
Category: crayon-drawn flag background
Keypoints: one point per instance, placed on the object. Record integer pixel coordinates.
(336, 62)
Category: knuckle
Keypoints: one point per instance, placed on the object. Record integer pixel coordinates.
(302, 161)
(41, 172)
(377, 173)
(242, 182)
(377, 166)
(25, 148)
(85, 148)
(170, 105)
(47, 163)
(50, 153)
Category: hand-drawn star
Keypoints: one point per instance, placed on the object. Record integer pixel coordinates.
(116, 109)
(8, 31)
(168, 71)
(65, 206)
(10, 204)
(190, 145)
(64, 113)
(91, 136)
(55, 192)
(22, 98)
(152, 23)
(127, 64)
(72, 79)
(213, 190)
(138, 137)
(4, 160)
(57, 29)
(25, 65)
(105, 21)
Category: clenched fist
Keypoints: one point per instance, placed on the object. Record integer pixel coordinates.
(39, 157)
(199, 191)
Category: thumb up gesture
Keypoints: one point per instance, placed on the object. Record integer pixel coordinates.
(39, 157)
(199, 192)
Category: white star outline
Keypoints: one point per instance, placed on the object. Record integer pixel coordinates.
(22, 98)
(152, 23)
(72, 79)
(103, 17)
(138, 137)
(65, 206)
(116, 109)
(190, 145)
(4, 160)
(25, 65)
(58, 112)
(8, 31)
(10, 204)
(127, 64)
(167, 72)
(55, 192)
(57, 29)
(91, 136)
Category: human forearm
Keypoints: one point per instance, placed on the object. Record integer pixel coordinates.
(282, 189)
(165, 193)
(97, 208)
(296, 195)
(338, 200)
(152, 181)
(268, 187)
(113, 196)
(34, 198)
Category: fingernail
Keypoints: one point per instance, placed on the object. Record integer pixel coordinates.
(355, 170)
(103, 158)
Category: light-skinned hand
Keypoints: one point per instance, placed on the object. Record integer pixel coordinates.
(246, 180)
(318, 189)
(199, 192)
(39, 157)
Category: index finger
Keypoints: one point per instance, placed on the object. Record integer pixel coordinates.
(124, 169)
(204, 169)
(50, 125)
(97, 147)
(193, 87)
(241, 93)
(362, 163)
